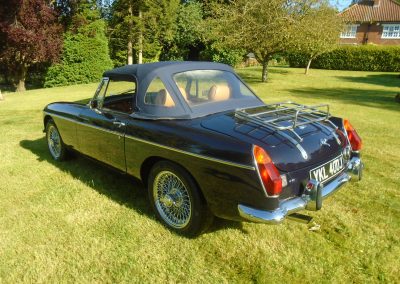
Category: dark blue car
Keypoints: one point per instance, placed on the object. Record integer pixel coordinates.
(205, 145)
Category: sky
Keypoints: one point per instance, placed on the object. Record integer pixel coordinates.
(341, 4)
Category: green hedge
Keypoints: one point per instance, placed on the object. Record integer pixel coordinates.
(85, 57)
(358, 58)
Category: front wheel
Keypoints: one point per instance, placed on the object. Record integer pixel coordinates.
(56, 146)
(176, 199)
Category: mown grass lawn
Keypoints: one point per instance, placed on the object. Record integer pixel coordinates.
(79, 222)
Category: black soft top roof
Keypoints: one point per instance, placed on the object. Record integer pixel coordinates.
(140, 71)
(144, 74)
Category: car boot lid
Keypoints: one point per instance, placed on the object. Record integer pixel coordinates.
(309, 143)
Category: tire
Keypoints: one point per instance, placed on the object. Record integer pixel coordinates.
(57, 148)
(176, 200)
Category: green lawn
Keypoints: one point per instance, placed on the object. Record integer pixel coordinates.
(79, 222)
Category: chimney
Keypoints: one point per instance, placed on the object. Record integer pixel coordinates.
(376, 3)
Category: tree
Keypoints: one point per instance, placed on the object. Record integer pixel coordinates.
(264, 27)
(142, 27)
(312, 40)
(85, 55)
(29, 34)
(188, 37)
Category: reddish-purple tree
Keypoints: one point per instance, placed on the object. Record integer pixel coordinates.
(29, 33)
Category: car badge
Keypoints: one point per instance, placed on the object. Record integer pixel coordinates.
(323, 142)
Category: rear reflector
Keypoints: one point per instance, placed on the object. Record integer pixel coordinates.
(355, 140)
(269, 174)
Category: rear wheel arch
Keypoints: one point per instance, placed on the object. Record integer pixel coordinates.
(148, 164)
(146, 167)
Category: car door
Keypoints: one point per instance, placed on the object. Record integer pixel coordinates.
(101, 136)
(102, 124)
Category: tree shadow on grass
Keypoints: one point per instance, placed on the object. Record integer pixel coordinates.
(369, 98)
(387, 80)
(252, 75)
(121, 188)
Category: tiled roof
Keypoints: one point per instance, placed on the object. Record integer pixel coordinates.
(367, 11)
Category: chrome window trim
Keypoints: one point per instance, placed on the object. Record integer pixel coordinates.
(104, 81)
(233, 164)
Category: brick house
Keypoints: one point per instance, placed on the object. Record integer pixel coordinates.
(372, 21)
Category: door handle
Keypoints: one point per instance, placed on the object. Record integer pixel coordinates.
(118, 123)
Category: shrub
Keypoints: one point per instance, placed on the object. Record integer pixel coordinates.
(357, 58)
(85, 57)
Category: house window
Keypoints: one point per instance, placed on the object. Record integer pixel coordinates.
(391, 31)
(349, 32)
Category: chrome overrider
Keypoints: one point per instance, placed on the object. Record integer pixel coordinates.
(312, 198)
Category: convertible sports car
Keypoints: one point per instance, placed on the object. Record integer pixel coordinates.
(205, 145)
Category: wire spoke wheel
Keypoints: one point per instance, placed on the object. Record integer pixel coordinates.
(172, 199)
(54, 142)
(177, 200)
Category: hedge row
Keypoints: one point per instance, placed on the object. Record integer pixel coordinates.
(358, 58)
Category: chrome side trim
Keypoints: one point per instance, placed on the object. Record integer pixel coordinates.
(292, 205)
(233, 164)
(85, 124)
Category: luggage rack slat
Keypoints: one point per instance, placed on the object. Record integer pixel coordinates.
(286, 112)
(285, 117)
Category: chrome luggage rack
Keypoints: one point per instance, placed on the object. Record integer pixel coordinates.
(285, 115)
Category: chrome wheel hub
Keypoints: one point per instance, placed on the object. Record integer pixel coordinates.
(172, 200)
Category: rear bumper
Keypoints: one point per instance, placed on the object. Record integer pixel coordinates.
(310, 200)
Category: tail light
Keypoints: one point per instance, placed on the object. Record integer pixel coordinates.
(268, 173)
(355, 140)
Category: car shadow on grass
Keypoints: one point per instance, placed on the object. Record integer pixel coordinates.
(223, 224)
(360, 97)
(119, 187)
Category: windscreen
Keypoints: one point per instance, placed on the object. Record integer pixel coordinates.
(210, 91)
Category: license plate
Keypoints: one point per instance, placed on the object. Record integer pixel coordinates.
(328, 170)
